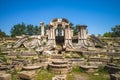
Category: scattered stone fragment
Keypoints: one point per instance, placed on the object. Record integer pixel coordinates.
(31, 67)
(29, 75)
(4, 76)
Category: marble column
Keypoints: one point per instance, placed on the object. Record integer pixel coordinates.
(62, 32)
(56, 32)
(68, 40)
(65, 36)
(46, 32)
(66, 33)
(42, 28)
(82, 39)
(71, 32)
(53, 33)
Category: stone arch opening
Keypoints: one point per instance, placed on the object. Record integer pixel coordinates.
(59, 38)
(60, 29)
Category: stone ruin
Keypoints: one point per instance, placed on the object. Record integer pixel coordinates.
(59, 36)
(53, 43)
(60, 66)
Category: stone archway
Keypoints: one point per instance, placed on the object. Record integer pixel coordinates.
(65, 31)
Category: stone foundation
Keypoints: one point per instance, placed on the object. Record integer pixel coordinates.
(60, 67)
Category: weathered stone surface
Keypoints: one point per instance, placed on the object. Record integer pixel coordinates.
(112, 68)
(115, 76)
(3, 67)
(28, 75)
(18, 67)
(89, 68)
(31, 67)
(60, 66)
(4, 76)
(56, 56)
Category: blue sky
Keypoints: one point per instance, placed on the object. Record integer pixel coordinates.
(98, 15)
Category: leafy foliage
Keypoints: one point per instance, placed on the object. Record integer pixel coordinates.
(18, 29)
(115, 32)
(107, 34)
(101, 76)
(2, 34)
(74, 29)
(77, 69)
(44, 75)
(75, 32)
(22, 29)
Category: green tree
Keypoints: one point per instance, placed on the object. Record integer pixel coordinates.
(116, 31)
(71, 24)
(30, 29)
(18, 30)
(107, 34)
(2, 34)
(45, 28)
(37, 30)
(99, 35)
(74, 28)
(75, 32)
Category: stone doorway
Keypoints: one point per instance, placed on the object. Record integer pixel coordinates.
(59, 38)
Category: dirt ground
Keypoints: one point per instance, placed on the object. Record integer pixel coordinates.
(80, 77)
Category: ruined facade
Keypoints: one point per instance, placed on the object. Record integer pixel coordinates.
(62, 28)
(59, 33)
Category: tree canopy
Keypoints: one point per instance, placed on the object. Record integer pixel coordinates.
(115, 32)
(75, 31)
(2, 34)
(22, 29)
(18, 29)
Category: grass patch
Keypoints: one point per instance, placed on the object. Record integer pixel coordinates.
(14, 75)
(44, 75)
(70, 77)
(101, 76)
(77, 69)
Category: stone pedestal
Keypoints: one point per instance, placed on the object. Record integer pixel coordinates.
(60, 66)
